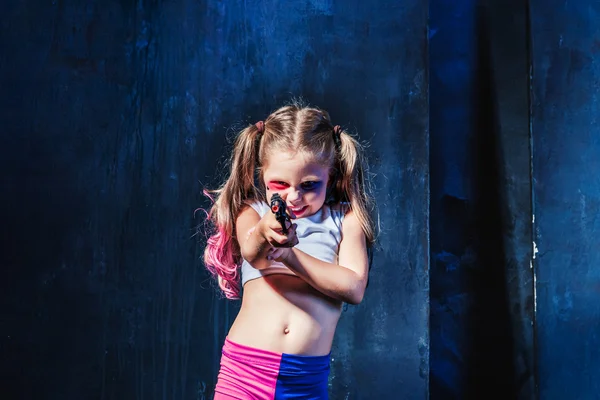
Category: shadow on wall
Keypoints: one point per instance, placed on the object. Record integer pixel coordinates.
(489, 358)
(473, 271)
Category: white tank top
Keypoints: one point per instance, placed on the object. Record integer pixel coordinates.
(319, 235)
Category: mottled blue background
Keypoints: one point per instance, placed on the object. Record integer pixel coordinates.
(566, 196)
(114, 117)
(481, 281)
(482, 119)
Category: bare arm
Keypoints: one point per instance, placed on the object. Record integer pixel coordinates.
(253, 246)
(346, 281)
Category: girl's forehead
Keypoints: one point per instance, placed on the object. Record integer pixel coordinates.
(293, 164)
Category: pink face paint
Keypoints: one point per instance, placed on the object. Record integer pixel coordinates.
(277, 186)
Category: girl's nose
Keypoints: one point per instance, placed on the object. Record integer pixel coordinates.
(294, 196)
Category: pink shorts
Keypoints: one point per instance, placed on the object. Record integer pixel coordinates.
(249, 373)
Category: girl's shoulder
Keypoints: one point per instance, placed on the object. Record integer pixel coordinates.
(339, 210)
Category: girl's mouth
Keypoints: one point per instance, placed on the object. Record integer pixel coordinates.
(298, 210)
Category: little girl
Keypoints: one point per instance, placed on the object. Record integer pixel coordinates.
(295, 273)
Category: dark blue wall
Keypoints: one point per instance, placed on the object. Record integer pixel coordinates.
(566, 160)
(452, 73)
(114, 116)
(507, 23)
(481, 280)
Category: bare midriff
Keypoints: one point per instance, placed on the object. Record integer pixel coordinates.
(284, 314)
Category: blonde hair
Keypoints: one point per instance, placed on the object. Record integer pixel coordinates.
(296, 128)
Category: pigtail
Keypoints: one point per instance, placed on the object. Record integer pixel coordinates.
(222, 253)
(351, 184)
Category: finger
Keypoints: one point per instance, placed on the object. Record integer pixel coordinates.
(273, 223)
(292, 241)
(291, 214)
(280, 240)
(276, 226)
(292, 231)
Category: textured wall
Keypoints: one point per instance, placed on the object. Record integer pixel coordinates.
(566, 160)
(114, 115)
(452, 80)
(481, 281)
(508, 75)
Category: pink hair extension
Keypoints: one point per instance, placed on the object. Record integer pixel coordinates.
(220, 260)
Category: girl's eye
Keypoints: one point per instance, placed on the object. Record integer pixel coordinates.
(310, 185)
(277, 185)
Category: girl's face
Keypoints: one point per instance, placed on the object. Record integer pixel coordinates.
(300, 181)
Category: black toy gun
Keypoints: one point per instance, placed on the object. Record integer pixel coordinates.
(278, 208)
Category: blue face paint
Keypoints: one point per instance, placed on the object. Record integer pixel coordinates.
(312, 185)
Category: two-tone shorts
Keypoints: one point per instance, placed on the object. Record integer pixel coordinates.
(250, 373)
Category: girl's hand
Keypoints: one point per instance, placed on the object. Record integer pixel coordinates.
(278, 254)
(270, 229)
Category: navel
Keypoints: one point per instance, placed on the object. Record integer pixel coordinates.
(286, 330)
